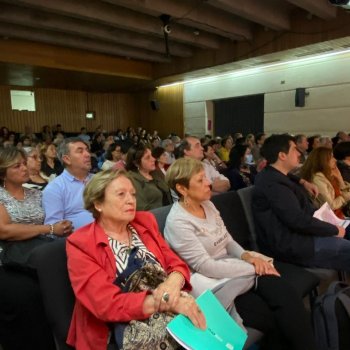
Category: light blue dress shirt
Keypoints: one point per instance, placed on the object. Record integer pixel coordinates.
(63, 200)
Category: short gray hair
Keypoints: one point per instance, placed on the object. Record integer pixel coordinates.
(63, 148)
(166, 142)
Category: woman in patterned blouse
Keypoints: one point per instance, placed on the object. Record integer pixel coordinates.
(99, 254)
(23, 323)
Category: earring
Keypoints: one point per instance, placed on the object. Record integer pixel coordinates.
(99, 210)
(4, 185)
(186, 203)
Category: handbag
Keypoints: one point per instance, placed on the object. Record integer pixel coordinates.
(151, 333)
(16, 254)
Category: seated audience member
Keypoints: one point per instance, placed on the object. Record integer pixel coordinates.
(283, 214)
(151, 190)
(23, 323)
(211, 157)
(238, 171)
(192, 148)
(259, 141)
(59, 130)
(104, 254)
(4, 132)
(97, 144)
(84, 135)
(63, 197)
(109, 140)
(34, 165)
(343, 136)
(46, 133)
(250, 140)
(168, 145)
(113, 156)
(28, 132)
(119, 135)
(342, 154)
(302, 146)
(314, 142)
(197, 233)
(321, 169)
(58, 139)
(50, 166)
(224, 150)
(326, 141)
(160, 156)
(26, 141)
(155, 143)
(175, 140)
(155, 135)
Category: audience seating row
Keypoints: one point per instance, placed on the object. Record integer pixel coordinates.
(51, 263)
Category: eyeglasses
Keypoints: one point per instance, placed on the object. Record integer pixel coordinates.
(35, 157)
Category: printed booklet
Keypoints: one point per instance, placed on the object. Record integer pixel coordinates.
(222, 331)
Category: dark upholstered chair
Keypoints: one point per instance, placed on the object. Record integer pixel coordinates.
(246, 197)
(50, 261)
(233, 212)
(161, 215)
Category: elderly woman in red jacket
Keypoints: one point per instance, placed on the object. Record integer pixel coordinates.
(101, 252)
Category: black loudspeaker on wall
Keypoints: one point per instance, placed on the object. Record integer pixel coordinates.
(300, 97)
(154, 105)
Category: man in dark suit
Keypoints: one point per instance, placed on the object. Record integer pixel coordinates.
(283, 213)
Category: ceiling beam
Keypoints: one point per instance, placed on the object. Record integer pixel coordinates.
(20, 32)
(195, 13)
(319, 8)
(119, 17)
(267, 14)
(42, 55)
(48, 21)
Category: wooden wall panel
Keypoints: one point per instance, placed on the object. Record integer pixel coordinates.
(68, 108)
(169, 117)
(112, 111)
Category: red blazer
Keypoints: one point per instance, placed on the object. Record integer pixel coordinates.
(92, 271)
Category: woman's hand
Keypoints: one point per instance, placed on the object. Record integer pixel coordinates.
(187, 306)
(261, 266)
(341, 232)
(62, 228)
(167, 294)
(337, 175)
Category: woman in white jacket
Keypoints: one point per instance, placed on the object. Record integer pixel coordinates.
(195, 230)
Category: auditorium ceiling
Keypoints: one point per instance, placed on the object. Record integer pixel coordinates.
(123, 45)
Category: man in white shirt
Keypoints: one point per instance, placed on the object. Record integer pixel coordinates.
(192, 148)
(168, 145)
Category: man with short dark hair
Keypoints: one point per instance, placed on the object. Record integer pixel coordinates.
(283, 214)
(63, 197)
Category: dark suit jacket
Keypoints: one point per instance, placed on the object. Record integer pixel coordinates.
(283, 216)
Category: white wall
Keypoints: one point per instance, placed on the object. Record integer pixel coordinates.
(326, 111)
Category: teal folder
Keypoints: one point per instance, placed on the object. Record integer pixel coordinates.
(222, 333)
